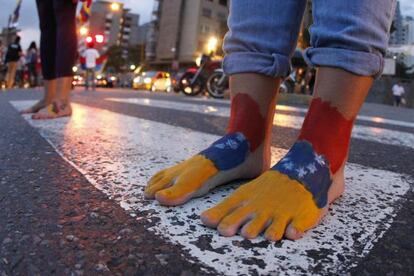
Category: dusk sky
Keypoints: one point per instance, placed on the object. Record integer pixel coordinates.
(29, 21)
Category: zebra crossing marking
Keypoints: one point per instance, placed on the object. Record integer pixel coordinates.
(118, 153)
(368, 133)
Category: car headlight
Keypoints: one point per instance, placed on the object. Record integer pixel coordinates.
(113, 78)
(147, 80)
(136, 80)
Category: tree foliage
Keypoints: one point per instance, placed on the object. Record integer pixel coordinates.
(115, 58)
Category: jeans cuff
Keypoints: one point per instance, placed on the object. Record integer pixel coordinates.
(274, 65)
(357, 62)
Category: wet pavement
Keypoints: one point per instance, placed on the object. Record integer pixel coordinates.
(71, 192)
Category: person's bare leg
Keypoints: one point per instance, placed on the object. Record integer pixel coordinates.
(244, 152)
(48, 97)
(294, 195)
(60, 106)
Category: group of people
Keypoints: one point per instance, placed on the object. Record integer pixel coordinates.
(17, 65)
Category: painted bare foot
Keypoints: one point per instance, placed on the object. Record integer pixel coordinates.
(287, 200)
(243, 153)
(227, 159)
(34, 108)
(55, 110)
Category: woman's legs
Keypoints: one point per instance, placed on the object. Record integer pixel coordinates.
(65, 51)
(257, 58)
(47, 53)
(66, 47)
(294, 195)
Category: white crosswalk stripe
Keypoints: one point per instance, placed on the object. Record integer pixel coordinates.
(118, 153)
(372, 119)
(369, 133)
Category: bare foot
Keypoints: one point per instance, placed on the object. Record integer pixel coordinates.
(287, 200)
(55, 110)
(35, 108)
(227, 159)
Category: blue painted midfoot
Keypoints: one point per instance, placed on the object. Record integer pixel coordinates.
(303, 164)
(228, 152)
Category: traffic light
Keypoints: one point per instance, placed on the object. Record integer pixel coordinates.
(89, 39)
(99, 38)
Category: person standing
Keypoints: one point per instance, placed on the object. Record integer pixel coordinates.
(90, 55)
(2, 65)
(31, 62)
(58, 53)
(14, 52)
(397, 91)
(2, 52)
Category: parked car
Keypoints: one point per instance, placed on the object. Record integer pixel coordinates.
(78, 80)
(106, 80)
(153, 81)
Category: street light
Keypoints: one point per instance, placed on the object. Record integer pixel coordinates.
(132, 67)
(83, 31)
(115, 6)
(212, 44)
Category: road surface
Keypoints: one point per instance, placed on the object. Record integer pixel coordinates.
(71, 192)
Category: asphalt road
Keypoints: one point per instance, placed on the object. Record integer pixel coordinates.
(71, 192)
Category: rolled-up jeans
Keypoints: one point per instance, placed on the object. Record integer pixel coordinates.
(348, 34)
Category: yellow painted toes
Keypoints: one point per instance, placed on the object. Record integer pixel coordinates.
(230, 224)
(213, 216)
(276, 230)
(252, 229)
(178, 184)
(272, 197)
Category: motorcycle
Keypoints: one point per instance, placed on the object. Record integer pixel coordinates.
(194, 80)
(217, 83)
(288, 85)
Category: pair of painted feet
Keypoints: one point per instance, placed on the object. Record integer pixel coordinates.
(285, 200)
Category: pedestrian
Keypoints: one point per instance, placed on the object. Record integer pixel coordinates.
(58, 53)
(2, 52)
(31, 62)
(398, 91)
(14, 52)
(348, 43)
(90, 55)
(2, 64)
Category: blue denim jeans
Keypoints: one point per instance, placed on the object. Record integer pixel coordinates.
(348, 34)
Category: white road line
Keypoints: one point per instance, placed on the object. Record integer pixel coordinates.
(118, 154)
(372, 119)
(376, 134)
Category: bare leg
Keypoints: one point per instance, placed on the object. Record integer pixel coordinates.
(294, 195)
(50, 94)
(244, 152)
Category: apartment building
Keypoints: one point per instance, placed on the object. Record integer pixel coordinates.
(181, 29)
(118, 25)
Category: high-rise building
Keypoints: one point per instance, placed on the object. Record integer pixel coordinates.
(117, 25)
(408, 30)
(142, 33)
(397, 36)
(181, 29)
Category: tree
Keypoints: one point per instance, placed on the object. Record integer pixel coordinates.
(115, 58)
(136, 54)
